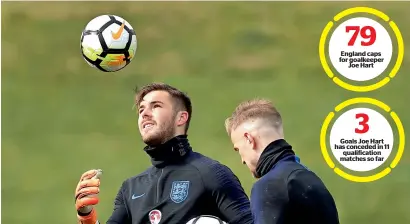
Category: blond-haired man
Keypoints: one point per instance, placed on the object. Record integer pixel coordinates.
(286, 191)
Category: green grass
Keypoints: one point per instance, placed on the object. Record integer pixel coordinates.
(60, 117)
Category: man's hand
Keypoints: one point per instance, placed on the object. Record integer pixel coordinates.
(86, 196)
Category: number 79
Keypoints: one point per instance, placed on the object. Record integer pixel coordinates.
(371, 37)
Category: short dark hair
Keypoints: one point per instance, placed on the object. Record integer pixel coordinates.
(181, 99)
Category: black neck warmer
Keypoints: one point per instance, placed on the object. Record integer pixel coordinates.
(272, 154)
(172, 151)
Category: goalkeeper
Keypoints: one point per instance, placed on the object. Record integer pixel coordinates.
(181, 184)
(286, 191)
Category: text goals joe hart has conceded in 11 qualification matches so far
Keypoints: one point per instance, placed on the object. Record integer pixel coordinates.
(361, 50)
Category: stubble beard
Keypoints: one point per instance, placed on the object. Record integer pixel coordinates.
(159, 136)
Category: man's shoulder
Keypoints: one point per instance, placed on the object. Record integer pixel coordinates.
(206, 165)
(279, 176)
(303, 176)
(142, 174)
(307, 188)
(303, 181)
(287, 168)
(138, 177)
(272, 184)
(212, 172)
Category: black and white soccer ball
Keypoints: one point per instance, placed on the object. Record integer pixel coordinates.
(108, 43)
(206, 219)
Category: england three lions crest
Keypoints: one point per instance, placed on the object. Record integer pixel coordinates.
(179, 191)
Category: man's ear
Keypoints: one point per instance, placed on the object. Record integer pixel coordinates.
(250, 139)
(182, 118)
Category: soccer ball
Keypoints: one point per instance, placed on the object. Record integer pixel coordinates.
(108, 43)
(206, 219)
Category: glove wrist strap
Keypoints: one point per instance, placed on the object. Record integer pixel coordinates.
(88, 219)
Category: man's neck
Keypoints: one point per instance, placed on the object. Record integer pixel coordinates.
(265, 141)
(272, 154)
(171, 151)
(165, 140)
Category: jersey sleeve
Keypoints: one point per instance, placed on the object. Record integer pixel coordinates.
(228, 194)
(269, 202)
(120, 212)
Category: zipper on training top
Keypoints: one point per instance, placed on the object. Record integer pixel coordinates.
(159, 178)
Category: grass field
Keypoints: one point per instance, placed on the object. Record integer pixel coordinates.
(60, 117)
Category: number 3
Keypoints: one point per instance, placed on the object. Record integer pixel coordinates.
(363, 123)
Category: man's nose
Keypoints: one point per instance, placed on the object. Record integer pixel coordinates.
(145, 113)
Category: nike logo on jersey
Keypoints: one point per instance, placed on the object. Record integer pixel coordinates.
(136, 196)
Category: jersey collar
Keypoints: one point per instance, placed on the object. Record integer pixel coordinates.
(272, 154)
(172, 151)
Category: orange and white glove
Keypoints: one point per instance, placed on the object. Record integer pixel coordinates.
(86, 196)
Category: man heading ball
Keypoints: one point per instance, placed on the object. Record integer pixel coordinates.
(181, 184)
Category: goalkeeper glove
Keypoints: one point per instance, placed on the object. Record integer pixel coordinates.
(86, 196)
